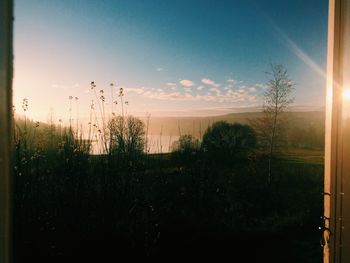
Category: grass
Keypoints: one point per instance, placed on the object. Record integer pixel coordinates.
(89, 209)
(304, 155)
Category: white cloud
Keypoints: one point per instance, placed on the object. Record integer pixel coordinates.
(210, 82)
(214, 94)
(233, 81)
(190, 96)
(135, 90)
(187, 83)
(252, 89)
(252, 98)
(174, 95)
(159, 69)
(261, 86)
(216, 90)
(172, 85)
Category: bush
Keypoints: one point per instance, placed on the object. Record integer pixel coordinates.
(224, 140)
(127, 136)
(186, 148)
(186, 144)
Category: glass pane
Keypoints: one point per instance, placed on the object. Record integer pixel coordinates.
(156, 129)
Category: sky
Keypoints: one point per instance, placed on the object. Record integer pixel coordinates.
(176, 58)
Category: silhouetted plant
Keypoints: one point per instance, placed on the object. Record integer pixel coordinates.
(277, 98)
(127, 136)
(186, 149)
(186, 144)
(225, 141)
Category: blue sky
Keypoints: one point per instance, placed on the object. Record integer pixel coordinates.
(171, 57)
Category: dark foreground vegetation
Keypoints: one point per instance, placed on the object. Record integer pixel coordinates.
(191, 204)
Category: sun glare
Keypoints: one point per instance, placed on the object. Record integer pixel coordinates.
(346, 94)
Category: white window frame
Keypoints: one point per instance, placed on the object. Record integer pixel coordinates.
(336, 188)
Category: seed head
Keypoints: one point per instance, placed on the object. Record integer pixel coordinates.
(25, 104)
(121, 92)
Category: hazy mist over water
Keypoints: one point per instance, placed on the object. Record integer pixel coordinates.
(155, 144)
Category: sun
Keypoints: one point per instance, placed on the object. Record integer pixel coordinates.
(346, 94)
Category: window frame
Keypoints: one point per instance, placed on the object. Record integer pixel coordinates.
(6, 69)
(332, 196)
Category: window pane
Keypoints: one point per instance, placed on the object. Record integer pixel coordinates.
(149, 128)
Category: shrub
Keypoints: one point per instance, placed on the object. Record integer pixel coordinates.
(185, 149)
(127, 136)
(224, 140)
(186, 144)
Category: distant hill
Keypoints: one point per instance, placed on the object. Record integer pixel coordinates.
(197, 125)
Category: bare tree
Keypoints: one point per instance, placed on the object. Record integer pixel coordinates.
(127, 135)
(277, 98)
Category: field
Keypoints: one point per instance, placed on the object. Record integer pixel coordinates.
(70, 206)
(191, 202)
(308, 156)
